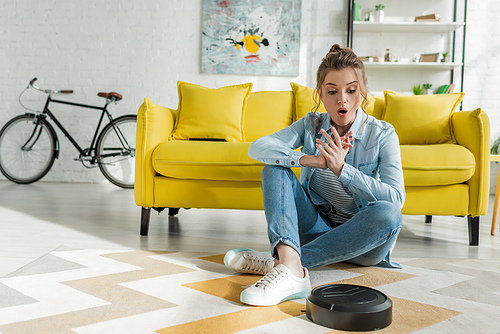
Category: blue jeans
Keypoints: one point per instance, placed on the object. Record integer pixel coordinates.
(366, 239)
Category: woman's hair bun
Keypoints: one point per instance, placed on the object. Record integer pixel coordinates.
(336, 48)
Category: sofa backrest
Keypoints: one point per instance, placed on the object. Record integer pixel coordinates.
(270, 111)
(266, 113)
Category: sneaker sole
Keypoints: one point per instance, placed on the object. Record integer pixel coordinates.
(259, 301)
(229, 255)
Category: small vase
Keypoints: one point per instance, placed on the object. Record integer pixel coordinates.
(379, 16)
(429, 91)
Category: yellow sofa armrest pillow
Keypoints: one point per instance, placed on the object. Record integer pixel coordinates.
(211, 113)
(304, 100)
(421, 119)
(154, 126)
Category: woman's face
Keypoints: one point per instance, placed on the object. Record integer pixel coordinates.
(341, 97)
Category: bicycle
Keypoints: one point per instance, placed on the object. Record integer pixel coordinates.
(29, 144)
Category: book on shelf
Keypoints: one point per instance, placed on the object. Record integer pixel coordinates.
(428, 18)
(451, 88)
(443, 89)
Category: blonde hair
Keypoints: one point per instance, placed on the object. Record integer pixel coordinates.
(336, 59)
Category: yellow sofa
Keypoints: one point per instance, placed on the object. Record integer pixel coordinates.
(191, 157)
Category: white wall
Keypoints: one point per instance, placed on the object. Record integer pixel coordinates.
(141, 49)
(482, 71)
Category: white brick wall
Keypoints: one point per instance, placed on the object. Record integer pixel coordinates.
(141, 49)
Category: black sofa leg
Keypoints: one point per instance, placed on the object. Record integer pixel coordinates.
(428, 219)
(173, 211)
(473, 230)
(145, 215)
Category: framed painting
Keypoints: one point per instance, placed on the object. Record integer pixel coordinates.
(254, 37)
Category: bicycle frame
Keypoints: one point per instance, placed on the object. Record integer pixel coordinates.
(83, 152)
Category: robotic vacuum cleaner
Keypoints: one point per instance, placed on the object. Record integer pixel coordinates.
(349, 307)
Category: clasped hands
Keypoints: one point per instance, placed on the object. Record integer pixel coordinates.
(331, 154)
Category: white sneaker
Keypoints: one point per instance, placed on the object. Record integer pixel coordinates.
(247, 261)
(277, 286)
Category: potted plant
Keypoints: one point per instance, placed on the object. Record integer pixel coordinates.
(427, 87)
(379, 13)
(445, 54)
(494, 149)
(417, 89)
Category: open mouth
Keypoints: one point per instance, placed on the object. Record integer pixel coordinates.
(342, 111)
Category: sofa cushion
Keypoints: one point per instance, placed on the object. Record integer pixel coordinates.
(211, 113)
(376, 106)
(421, 119)
(304, 101)
(433, 165)
(206, 161)
(266, 113)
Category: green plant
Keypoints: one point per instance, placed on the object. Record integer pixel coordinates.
(445, 54)
(379, 7)
(427, 86)
(495, 146)
(417, 89)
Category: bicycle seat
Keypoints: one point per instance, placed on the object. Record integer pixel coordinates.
(114, 96)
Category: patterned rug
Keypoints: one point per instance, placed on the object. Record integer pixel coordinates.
(103, 291)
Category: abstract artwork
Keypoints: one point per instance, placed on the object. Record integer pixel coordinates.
(254, 37)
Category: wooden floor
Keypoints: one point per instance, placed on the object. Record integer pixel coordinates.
(37, 218)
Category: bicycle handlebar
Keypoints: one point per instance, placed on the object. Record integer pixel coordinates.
(49, 91)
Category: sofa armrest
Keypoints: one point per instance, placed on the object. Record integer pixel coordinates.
(471, 129)
(154, 126)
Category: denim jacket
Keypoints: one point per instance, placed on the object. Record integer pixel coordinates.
(372, 171)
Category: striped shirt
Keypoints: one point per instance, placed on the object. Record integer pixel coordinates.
(327, 185)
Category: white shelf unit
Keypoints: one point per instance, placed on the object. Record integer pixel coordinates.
(421, 66)
(373, 35)
(404, 27)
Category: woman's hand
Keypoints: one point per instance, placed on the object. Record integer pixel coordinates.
(334, 151)
(321, 160)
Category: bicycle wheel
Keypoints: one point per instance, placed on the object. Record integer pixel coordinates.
(116, 151)
(27, 149)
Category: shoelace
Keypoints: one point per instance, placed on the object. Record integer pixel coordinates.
(271, 278)
(257, 264)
